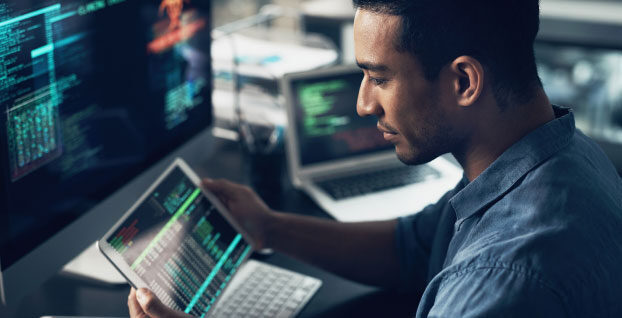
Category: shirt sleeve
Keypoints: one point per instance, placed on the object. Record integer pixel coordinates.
(485, 291)
(414, 237)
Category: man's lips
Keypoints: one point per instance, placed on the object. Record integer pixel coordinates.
(385, 130)
(386, 133)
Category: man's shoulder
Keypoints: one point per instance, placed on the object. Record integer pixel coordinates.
(557, 227)
(581, 160)
(579, 178)
(565, 213)
(576, 190)
(554, 232)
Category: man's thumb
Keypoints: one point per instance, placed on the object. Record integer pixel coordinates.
(150, 304)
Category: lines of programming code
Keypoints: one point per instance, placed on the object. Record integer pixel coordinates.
(32, 45)
(318, 101)
(327, 124)
(33, 135)
(181, 246)
(47, 68)
(181, 99)
(33, 130)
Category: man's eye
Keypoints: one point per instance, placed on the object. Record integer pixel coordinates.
(377, 81)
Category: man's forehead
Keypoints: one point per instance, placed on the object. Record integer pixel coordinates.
(382, 24)
(375, 36)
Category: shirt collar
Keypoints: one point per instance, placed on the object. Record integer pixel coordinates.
(514, 163)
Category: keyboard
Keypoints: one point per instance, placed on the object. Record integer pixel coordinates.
(377, 181)
(262, 290)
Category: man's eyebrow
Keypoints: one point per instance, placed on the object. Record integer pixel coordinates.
(372, 67)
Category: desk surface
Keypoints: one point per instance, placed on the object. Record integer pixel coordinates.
(66, 295)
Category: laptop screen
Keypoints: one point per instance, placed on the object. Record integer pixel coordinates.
(327, 125)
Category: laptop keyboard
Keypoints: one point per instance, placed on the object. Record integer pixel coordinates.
(267, 291)
(376, 181)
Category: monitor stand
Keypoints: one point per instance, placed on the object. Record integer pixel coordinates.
(91, 264)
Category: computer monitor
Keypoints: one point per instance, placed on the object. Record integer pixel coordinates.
(93, 94)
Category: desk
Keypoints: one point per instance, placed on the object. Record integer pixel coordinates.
(66, 295)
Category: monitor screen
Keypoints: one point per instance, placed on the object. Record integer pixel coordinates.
(92, 93)
(327, 125)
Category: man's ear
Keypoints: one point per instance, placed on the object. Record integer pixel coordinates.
(467, 80)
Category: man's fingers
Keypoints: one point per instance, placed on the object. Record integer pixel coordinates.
(133, 305)
(211, 184)
(151, 305)
(144, 304)
(221, 187)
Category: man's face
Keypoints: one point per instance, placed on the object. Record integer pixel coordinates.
(409, 108)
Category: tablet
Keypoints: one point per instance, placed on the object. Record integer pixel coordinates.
(179, 241)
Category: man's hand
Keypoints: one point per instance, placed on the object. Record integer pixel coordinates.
(361, 251)
(246, 207)
(144, 304)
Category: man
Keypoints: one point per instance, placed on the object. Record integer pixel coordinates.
(534, 229)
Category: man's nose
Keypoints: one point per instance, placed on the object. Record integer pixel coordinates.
(367, 103)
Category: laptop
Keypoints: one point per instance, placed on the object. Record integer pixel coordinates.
(179, 241)
(342, 161)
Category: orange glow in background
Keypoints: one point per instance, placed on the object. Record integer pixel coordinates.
(169, 39)
(173, 10)
(178, 29)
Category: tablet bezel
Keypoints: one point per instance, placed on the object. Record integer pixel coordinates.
(120, 263)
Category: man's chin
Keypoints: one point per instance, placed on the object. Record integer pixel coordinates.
(413, 158)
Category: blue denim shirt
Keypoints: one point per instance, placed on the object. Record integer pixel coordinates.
(537, 234)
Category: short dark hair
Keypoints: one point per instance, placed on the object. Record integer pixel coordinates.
(498, 33)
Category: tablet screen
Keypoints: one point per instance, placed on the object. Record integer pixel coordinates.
(180, 245)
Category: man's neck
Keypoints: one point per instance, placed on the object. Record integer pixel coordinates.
(499, 130)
